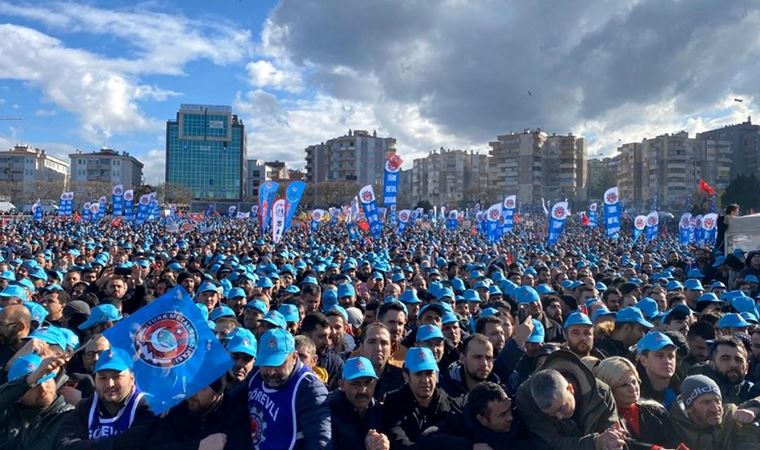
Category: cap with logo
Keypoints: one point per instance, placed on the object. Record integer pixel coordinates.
(101, 314)
(358, 367)
(420, 359)
(274, 348)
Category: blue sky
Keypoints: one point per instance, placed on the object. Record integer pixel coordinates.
(431, 73)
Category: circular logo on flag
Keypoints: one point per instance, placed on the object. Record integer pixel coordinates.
(367, 196)
(652, 221)
(640, 222)
(493, 214)
(559, 212)
(612, 197)
(509, 203)
(118, 190)
(685, 222)
(403, 216)
(316, 216)
(129, 195)
(592, 207)
(708, 223)
(166, 340)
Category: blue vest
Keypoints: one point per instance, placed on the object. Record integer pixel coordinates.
(100, 426)
(273, 411)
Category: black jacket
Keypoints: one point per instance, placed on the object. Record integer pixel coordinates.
(610, 347)
(655, 427)
(731, 393)
(349, 428)
(391, 379)
(453, 382)
(460, 431)
(404, 419)
(182, 429)
(331, 362)
(75, 432)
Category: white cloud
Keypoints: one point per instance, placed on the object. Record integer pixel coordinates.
(264, 74)
(154, 171)
(45, 113)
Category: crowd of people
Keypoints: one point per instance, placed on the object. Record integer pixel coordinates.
(427, 339)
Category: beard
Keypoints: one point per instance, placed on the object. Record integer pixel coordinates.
(733, 377)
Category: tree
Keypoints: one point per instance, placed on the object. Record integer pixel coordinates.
(605, 180)
(424, 204)
(175, 193)
(743, 190)
(87, 191)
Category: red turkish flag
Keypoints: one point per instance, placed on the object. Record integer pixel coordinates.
(363, 224)
(706, 188)
(585, 220)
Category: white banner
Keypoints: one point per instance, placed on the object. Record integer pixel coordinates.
(278, 220)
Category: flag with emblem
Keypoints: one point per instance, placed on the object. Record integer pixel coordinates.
(175, 353)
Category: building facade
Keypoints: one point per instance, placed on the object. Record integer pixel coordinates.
(743, 143)
(534, 166)
(449, 177)
(356, 157)
(206, 152)
(106, 166)
(260, 171)
(629, 173)
(27, 173)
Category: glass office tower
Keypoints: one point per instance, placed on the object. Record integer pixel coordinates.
(206, 152)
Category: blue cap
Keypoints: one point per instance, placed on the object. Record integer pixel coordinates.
(693, 285)
(526, 294)
(749, 317)
(537, 335)
(346, 290)
(695, 273)
(275, 318)
(174, 266)
(396, 277)
(428, 332)
(577, 318)
(653, 341)
(265, 283)
(25, 365)
(488, 312)
(50, 335)
(289, 312)
(72, 340)
(751, 278)
(113, 359)
(310, 280)
(257, 305)
(409, 297)
(207, 286)
(101, 314)
(449, 317)
(236, 292)
(743, 304)
(242, 341)
(13, 290)
(8, 275)
(420, 359)
(600, 286)
(276, 345)
(445, 292)
(437, 307)
(674, 285)
(632, 314)
(648, 307)
(733, 320)
(471, 295)
(709, 297)
(37, 312)
(358, 367)
(600, 312)
(545, 289)
(223, 311)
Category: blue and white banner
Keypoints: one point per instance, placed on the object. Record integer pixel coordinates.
(66, 206)
(593, 215)
(316, 217)
(174, 351)
(493, 214)
(508, 213)
(403, 219)
(392, 214)
(129, 204)
(267, 193)
(684, 229)
(391, 179)
(710, 227)
(117, 198)
(557, 218)
(612, 212)
(353, 233)
(653, 225)
(232, 211)
(103, 202)
(143, 207)
(95, 211)
(639, 224)
(37, 211)
(278, 220)
(293, 196)
(699, 231)
(254, 211)
(369, 204)
(453, 220)
(86, 212)
(153, 209)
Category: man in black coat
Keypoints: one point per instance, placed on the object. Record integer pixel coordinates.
(356, 415)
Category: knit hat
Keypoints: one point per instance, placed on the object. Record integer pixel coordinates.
(696, 386)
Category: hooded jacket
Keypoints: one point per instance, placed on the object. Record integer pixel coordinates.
(27, 428)
(453, 382)
(595, 409)
(731, 393)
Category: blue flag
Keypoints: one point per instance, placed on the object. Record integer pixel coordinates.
(267, 194)
(353, 233)
(369, 204)
(117, 197)
(37, 211)
(684, 229)
(556, 222)
(316, 217)
(103, 202)
(453, 220)
(174, 352)
(612, 211)
(129, 204)
(293, 196)
(709, 225)
(508, 213)
(403, 220)
(143, 207)
(653, 225)
(593, 218)
(639, 225)
(86, 211)
(391, 179)
(493, 214)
